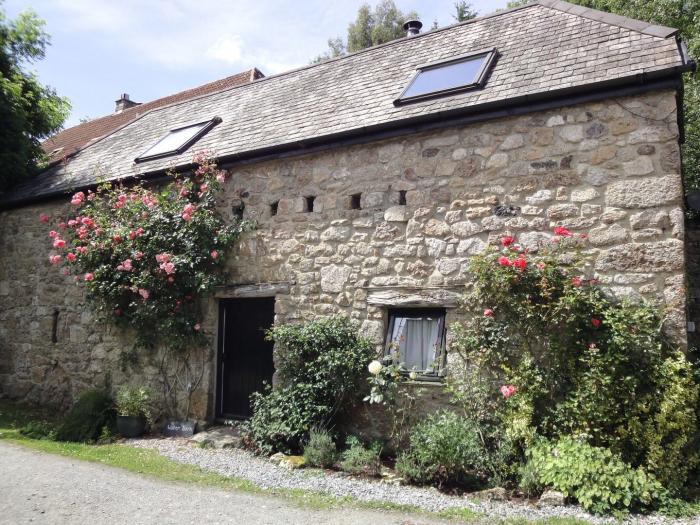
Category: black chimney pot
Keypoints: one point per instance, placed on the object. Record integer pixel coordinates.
(412, 27)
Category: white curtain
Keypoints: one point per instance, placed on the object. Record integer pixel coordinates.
(417, 340)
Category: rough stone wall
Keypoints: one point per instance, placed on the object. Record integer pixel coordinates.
(610, 169)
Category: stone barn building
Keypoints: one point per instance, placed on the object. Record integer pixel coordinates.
(373, 178)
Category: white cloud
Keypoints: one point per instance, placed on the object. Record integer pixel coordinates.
(225, 49)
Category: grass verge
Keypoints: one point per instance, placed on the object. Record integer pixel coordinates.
(14, 417)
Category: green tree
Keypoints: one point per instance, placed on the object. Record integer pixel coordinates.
(29, 111)
(371, 27)
(684, 15)
(464, 11)
(336, 48)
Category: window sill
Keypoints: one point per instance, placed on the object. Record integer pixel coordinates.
(425, 382)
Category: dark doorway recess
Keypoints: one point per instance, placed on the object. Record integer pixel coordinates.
(245, 357)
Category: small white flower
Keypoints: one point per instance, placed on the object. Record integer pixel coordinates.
(413, 376)
(375, 367)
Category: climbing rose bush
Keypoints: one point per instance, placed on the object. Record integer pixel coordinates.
(145, 255)
(546, 352)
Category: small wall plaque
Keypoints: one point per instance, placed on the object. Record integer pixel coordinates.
(174, 428)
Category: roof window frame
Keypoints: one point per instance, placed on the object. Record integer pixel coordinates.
(480, 78)
(208, 125)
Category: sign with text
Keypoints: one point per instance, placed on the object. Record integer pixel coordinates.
(174, 428)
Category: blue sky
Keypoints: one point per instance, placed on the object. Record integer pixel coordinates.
(151, 48)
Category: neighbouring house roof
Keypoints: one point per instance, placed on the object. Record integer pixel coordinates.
(545, 49)
(68, 142)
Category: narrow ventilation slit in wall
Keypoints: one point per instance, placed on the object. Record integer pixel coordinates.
(54, 327)
(273, 208)
(238, 208)
(309, 203)
(402, 197)
(355, 201)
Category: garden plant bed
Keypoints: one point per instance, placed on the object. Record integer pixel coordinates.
(237, 463)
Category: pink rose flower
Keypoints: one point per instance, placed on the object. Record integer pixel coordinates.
(70, 257)
(144, 293)
(88, 276)
(595, 322)
(53, 234)
(221, 176)
(77, 199)
(125, 266)
(562, 232)
(59, 243)
(149, 200)
(168, 267)
(197, 327)
(214, 254)
(54, 259)
(508, 390)
(576, 281)
(162, 257)
(488, 312)
(43, 218)
(504, 261)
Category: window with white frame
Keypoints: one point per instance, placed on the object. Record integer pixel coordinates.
(416, 339)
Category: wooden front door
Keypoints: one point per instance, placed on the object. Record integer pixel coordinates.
(245, 357)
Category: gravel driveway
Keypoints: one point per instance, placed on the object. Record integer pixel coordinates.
(43, 488)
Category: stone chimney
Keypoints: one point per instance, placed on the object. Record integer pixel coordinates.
(124, 102)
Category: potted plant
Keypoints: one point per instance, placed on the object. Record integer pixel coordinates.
(133, 410)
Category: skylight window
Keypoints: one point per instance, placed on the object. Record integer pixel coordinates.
(177, 140)
(449, 76)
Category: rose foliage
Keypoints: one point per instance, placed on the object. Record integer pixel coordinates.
(147, 254)
(547, 353)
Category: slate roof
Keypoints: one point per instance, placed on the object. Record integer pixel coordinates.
(546, 47)
(68, 142)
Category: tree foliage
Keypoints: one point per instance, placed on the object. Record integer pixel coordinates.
(29, 111)
(464, 11)
(372, 26)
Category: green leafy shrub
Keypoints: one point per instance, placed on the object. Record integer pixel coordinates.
(528, 481)
(134, 402)
(320, 365)
(38, 430)
(320, 451)
(283, 417)
(91, 413)
(545, 352)
(359, 459)
(598, 479)
(447, 448)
